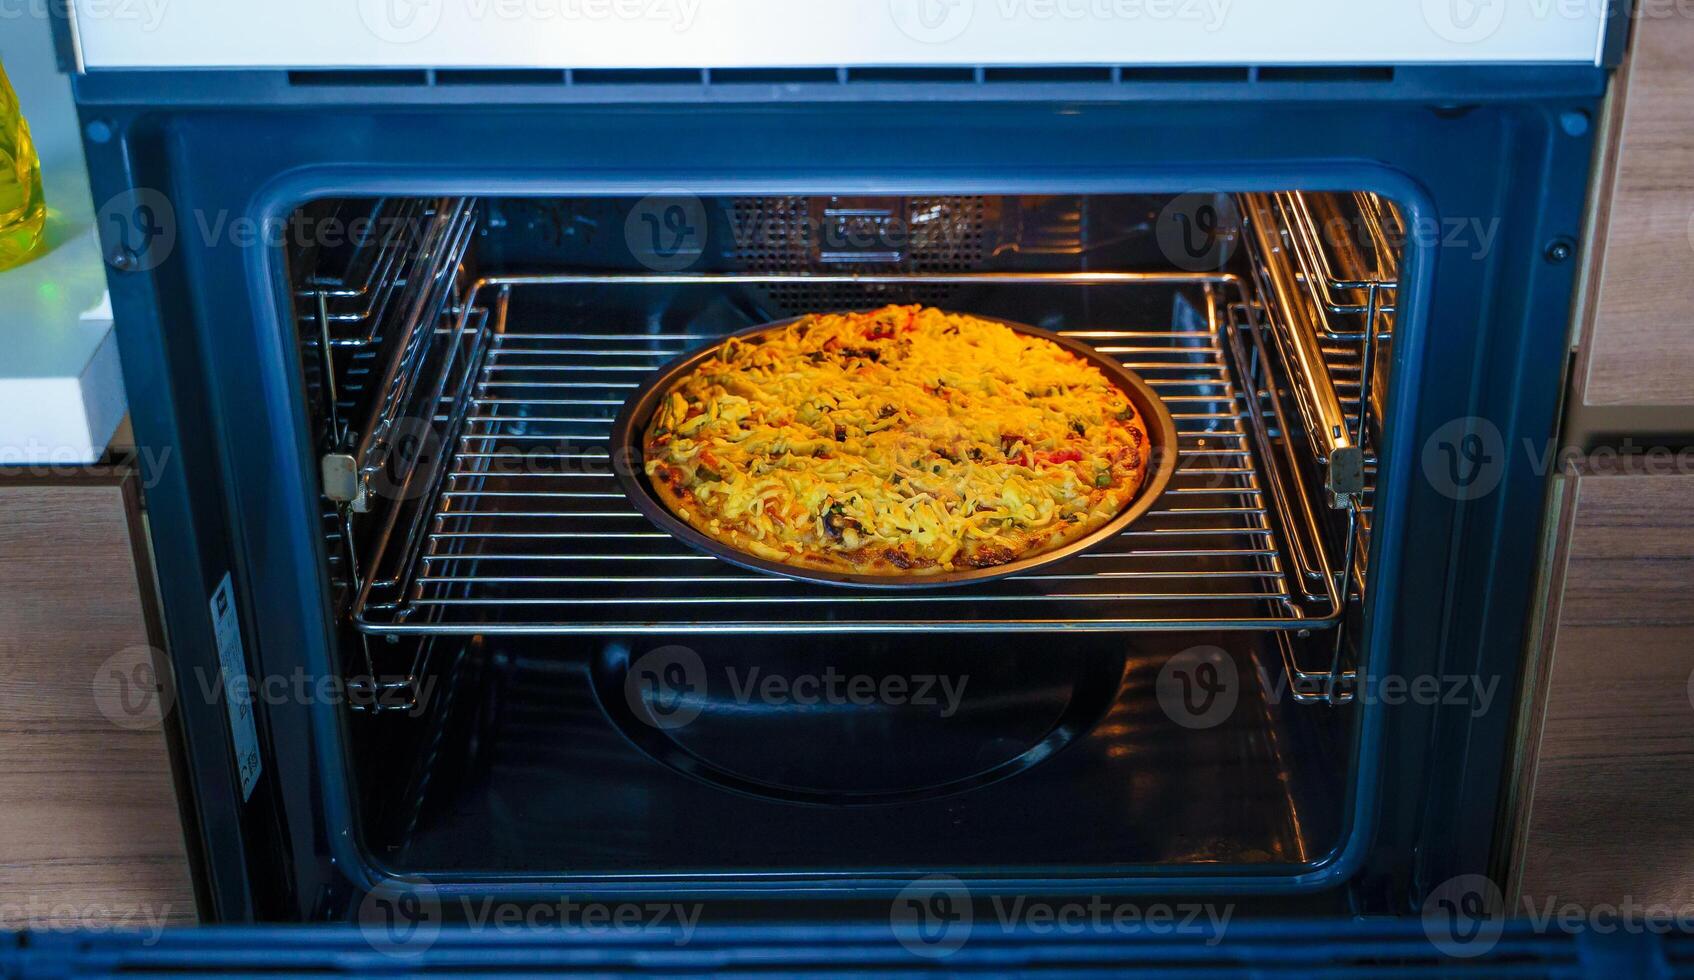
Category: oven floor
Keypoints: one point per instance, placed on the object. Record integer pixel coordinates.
(530, 775)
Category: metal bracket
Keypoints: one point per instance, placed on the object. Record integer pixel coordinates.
(375, 696)
(343, 483)
(1344, 475)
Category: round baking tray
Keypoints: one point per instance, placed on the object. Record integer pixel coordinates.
(630, 429)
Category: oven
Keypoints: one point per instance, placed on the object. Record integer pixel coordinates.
(379, 313)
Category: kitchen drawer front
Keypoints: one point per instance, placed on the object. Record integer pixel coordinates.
(1640, 345)
(1612, 790)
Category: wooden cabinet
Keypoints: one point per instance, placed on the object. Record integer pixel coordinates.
(89, 825)
(1610, 791)
(1604, 787)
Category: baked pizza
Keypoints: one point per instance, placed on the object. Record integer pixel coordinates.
(905, 441)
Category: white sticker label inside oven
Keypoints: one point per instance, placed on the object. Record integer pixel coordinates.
(238, 687)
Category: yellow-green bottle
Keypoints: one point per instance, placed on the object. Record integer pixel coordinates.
(23, 210)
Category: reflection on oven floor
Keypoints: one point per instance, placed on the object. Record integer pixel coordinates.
(536, 778)
(835, 721)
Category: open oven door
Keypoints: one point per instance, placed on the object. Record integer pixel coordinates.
(1408, 947)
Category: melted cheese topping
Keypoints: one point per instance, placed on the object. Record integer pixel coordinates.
(907, 438)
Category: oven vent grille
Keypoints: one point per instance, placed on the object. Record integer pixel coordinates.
(788, 81)
(790, 236)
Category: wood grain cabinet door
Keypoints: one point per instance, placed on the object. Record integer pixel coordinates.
(1639, 348)
(90, 834)
(1611, 796)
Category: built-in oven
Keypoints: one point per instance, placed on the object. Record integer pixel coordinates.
(377, 325)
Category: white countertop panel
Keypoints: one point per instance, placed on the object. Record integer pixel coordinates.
(798, 33)
(61, 388)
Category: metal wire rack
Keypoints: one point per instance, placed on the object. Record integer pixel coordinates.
(520, 527)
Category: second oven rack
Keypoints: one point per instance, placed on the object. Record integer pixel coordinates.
(519, 526)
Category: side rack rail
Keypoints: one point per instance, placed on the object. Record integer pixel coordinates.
(1328, 269)
(389, 338)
